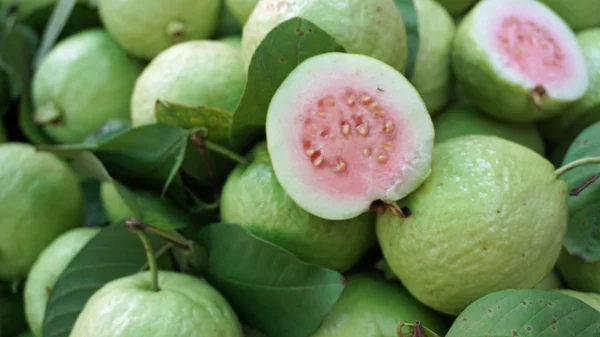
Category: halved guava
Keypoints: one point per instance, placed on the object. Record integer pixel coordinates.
(456, 7)
(518, 60)
(345, 130)
(580, 14)
(374, 28)
(585, 112)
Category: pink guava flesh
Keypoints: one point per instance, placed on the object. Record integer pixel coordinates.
(351, 140)
(531, 46)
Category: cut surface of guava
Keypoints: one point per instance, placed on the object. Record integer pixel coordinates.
(374, 28)
(491, 216)
(345, 130)
(518, 60)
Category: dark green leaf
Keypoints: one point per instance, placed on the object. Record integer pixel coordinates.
(60, 15)
(113, 253)
(270, 288)
(17, 49)
(527, 313)
(583, 233)
(94, 211)
(409, 13)
(286, 46)
(107, 131)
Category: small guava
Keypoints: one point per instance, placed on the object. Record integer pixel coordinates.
(465, 119)
(456, 7)
(233, 40)
(48, 267)
(579, 15)
(85, 80)
(197, 73)
(241, 9)
(491, 216)
(43, 198)
(184, 306)
(551, 281)
(591, 299)
(374, 28)
(569, 123)
(518, 61)
(252, 197)
(147, 27)
(578, 274)
(345, 131)
(432, 76)
(370, 306)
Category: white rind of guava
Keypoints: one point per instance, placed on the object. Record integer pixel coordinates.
(321, 75)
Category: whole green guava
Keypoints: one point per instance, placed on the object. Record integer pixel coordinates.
(370, 306)
(465, 119)
(578, 15)
(578, 274)
(241, 9)
(196, 73)
(41, 198)
(456, 7)
(253, 198)
(147, 27)
(591, 299)
(374, 28)
(83, 82)
(184, 306)
(491, 216)
(551, 281)
(47, 269)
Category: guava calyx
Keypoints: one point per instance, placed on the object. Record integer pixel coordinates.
(537, 94)
(176, 30)
(48, 114)
(380, 207)
(417, 329)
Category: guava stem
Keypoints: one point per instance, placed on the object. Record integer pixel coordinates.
(151, 259)
(576, 163)
(226, 152)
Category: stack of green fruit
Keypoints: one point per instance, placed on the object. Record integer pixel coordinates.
(299, 168)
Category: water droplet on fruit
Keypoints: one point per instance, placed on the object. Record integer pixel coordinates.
(382, 158)
(363, 129)
(388, 127)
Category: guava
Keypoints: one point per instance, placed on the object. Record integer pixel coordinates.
(518, 61)
(579, 15)
(578, 274)
(456, 7)
(346, 130)
(432, 76)
(48, 267)
(370, 306)
(12, 319)
(42, 199)
(184, 306)
(197, 73)
(233, 40)
(591, 299)
(374, 28)
(491, 216)
(147, 27)
(241, 9)
(465, 119)
(568, 124)
(151, 202)
(253, 198)
(551, 281)
(83, 82)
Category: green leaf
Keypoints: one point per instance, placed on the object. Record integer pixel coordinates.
(284, 48)
(110, 129)
(215, 120)
(270, 288)
(60, 15)
(113, 253)
(583, 233)
(94, 211)
(527, 313)
(409, 13)
(17, 49)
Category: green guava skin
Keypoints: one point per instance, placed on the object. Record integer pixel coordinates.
(456, 7)
(185, 306)
(197, 73)
(432, 76)
(591, 299)
(370, 306)
(480, 82)
(87, 79)
(162, 25)
(578, 274)
(43, 198)
(374, 28)
(581, 15)
(550, 282)
(491, 216)
(569, 123)
(241, 9)
(47, 269)
(252, 197)
(233, 40)
(465, 119)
